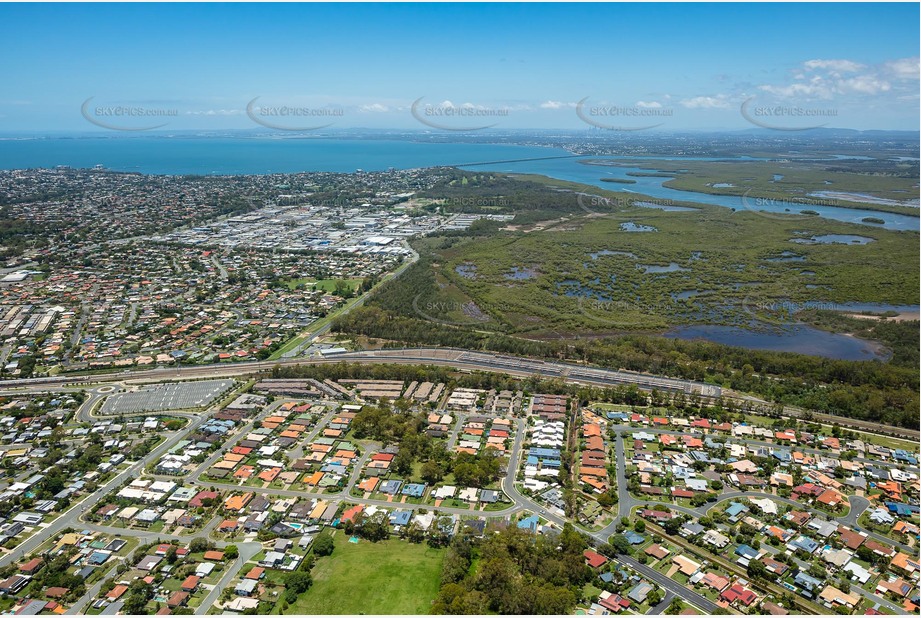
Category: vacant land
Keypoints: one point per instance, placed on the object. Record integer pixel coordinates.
(392, 577)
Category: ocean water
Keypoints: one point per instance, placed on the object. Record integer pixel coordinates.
(224, 156)
(186, 155)
(266, 155)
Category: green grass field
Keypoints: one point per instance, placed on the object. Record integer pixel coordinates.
(392, 577)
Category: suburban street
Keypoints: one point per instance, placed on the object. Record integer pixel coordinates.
(106, 385)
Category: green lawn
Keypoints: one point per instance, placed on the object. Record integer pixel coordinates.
(392, 577)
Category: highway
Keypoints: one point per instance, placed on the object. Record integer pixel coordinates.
(450, 357)
(458, 359)
(463, 360)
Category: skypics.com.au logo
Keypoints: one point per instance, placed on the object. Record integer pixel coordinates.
(785, 117)
(292, 117)
(623, 118)
(449, 117)
(449, 312)
(774, 208)
(600, 206)
(125, 117)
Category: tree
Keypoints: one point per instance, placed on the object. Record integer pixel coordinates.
(138, 594)
(231, 552)
(466, 474)
(675, 607)
(496, 578)
(456, 563)
(375, 528)
(757, 570)
(621, 544)
(299, 581)
(324, 545)
(672, 526)
(296, 582)
(571, 541)
(640, 526)
(414, 533)
(431, 472)
(403, 463)
(654, 598)
(199, 544)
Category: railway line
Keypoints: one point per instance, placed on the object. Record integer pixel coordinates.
(466, 360)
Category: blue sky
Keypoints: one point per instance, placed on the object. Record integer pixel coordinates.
(676, 66)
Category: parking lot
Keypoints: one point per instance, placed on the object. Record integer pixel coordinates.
(162, 397)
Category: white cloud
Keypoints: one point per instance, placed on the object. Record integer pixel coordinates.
(827, 79)
(828, 87)
(816, 87)
(837, 66)
(373, 108)
(864, 84)
(904, 68)
(720, 101)
(555, 105)
(650, 104)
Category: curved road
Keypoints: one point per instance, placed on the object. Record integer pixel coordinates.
(447, 357)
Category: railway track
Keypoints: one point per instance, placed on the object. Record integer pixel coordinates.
(466, 360)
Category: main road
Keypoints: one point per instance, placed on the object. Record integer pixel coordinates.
(448, 357)
(72, 515)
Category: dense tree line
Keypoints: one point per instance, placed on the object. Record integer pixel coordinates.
(517, 572)
(866, 390)
(417, 373)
